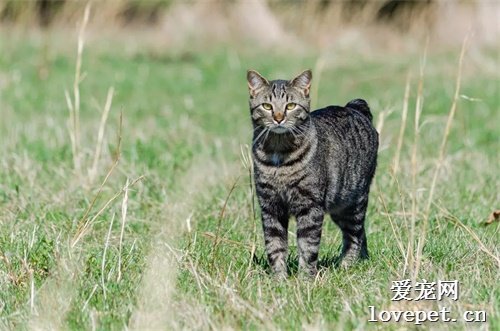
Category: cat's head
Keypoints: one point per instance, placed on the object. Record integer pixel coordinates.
(279, 105)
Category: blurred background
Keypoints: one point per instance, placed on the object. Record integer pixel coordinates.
(319, 23)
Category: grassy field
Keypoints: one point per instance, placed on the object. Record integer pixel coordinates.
(171, 239)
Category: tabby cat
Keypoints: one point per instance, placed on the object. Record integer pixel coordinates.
(308, 164)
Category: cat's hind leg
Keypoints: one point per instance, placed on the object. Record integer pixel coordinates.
(352, 224)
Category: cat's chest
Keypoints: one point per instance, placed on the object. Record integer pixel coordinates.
(285, 187)
(276, 159)
(282, 178)
(282, 170)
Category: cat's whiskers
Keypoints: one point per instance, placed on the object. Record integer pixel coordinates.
(267, 135)
(258, 127)
(260, 135)
(293, 132)
(297, 131)
(302, 128)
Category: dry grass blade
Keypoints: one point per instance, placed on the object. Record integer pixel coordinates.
(71, 128)
(119, 144)
(447, 129)
(381, 120)
(405, 221)
(85, 305)
(83, 223)
(214, 237)
(32, 291)
(482, 246)
(75, 109)
(219, 224)
(103, 265)
(404, 116)
(238, 303)
(122, 231)
(252, 202)
(414, 164)
(399, 241)
(442, 150)
(88, 223)
(100, 134)
(248, 164)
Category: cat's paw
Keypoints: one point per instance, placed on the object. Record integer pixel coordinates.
(280, 276)
(348, 259)
(308, 273)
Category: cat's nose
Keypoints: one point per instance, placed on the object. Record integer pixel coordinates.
(279, 117)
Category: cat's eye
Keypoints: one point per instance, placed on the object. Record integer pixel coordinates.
(267, 106)
(290, 106)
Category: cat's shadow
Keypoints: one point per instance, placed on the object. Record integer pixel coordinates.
(325, 262)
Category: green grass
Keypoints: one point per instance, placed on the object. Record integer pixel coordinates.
(185, 119)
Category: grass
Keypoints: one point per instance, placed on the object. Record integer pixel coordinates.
(191, 254)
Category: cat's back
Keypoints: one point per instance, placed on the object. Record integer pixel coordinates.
(347, 138)
(351, 123)
(347, 145)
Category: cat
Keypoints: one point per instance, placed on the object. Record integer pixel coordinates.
(307, 164)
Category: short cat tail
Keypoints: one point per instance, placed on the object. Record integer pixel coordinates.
(361, 106)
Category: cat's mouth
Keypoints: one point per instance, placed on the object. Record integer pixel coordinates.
(279, 129)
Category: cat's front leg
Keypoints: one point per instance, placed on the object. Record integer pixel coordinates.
(275, 226)
(309, 225)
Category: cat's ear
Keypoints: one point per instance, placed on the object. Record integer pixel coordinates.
(303, 81)
(255, 82)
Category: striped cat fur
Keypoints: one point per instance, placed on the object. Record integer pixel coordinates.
(308, 164)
